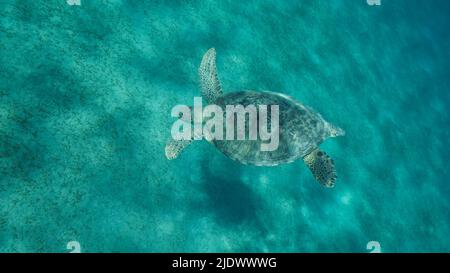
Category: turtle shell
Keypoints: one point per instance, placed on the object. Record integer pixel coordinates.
(301, 129)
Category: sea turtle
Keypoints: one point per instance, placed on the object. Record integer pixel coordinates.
(301, 129)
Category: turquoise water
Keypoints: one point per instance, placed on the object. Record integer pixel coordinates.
(85, 99)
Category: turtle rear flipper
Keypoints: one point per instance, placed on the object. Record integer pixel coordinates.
(209, 82)
(322, 167)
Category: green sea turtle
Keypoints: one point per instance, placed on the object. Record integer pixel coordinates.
(301, 129)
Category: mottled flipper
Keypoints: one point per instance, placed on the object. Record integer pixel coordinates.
(322, 167)
(174, 148)
(209, 82)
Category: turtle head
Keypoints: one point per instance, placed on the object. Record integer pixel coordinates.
(191, 118)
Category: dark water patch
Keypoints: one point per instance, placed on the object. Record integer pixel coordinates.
(232, 201)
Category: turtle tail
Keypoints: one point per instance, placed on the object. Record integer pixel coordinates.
(322, 167)
(335, 131)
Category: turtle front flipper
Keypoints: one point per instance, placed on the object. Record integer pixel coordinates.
(322, 167)
(175, 147)
(209, 82)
